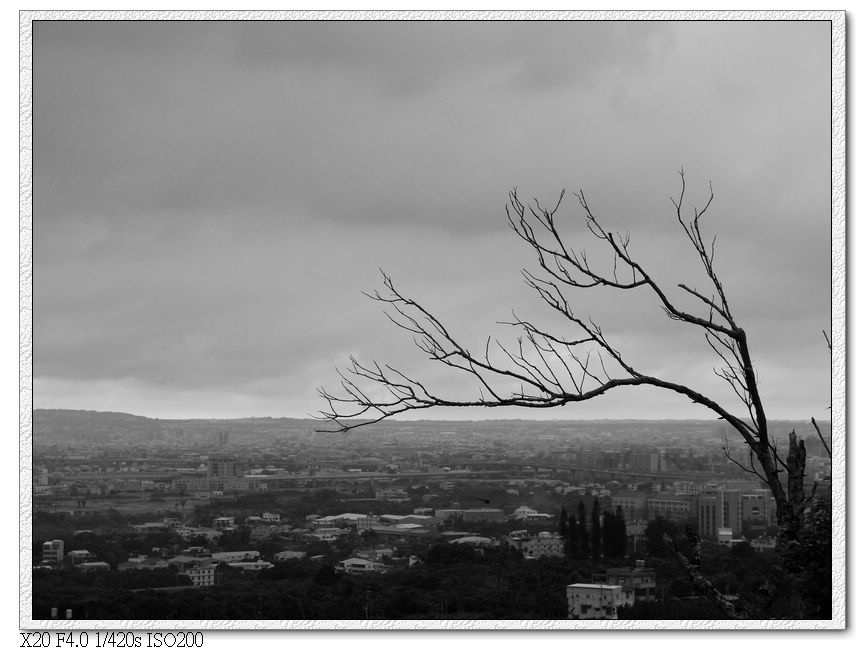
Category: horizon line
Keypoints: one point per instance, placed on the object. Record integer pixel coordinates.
(395, 420)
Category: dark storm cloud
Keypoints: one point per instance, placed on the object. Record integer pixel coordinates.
(210, 198)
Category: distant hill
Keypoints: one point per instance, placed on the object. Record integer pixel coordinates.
(66, 425)
(69, 424)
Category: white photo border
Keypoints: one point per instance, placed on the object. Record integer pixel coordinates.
(838, 334)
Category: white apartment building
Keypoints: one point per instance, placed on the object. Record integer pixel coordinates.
(669, 507)
(544, 544)
(326, 534)
(52, 552)
(202, 575)
(589, 601)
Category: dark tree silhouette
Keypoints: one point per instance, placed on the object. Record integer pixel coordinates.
(573, 539)
(582, 531)
(546, 369)
(563, 523)
(596, 531)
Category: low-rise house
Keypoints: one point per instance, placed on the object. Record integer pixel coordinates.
(142, 562)
(357, 565)
(223, 523)
(476, 541)
(235, 556)
(252, 565)
(78, 556)
(402, 530)
(197, 551)
(289, 555)
(637, 582)
(88, 567)
(187, 532)
(375, 554)
(150, 527)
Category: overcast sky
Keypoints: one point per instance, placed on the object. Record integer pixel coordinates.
(210, 199)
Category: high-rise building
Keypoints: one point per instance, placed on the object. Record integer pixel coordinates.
(719, 508)
(732, 510)
(709, 516)
(219, 470)
(758, 509)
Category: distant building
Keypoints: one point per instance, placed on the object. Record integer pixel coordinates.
(764, 543)
(327, 534)
(391, 494)
(223, 523)
(592, 601)
(346, 519)
(222, 467)
(686, 488)
(201, 575)
(472, 514)
(476, 542)
(52, 552)
(638, 582)
(669, 506)
(422, 520)
(251, 565)
(758, 510)
(402, 530)
(357, 565)
(222, 473)
(142, 562)
(289, 555)
(649, 461)
(78, 556)
(543, 544)
(89, 567)
(633, 505)
(709, 516)
(235, 556)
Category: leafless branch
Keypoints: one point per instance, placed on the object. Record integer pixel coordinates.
(546, 369)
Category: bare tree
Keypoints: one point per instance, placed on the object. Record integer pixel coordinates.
(547, 370)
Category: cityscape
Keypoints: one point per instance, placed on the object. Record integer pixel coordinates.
(350, 322)
(148, 513)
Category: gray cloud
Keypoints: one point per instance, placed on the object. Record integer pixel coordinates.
(211, 198)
